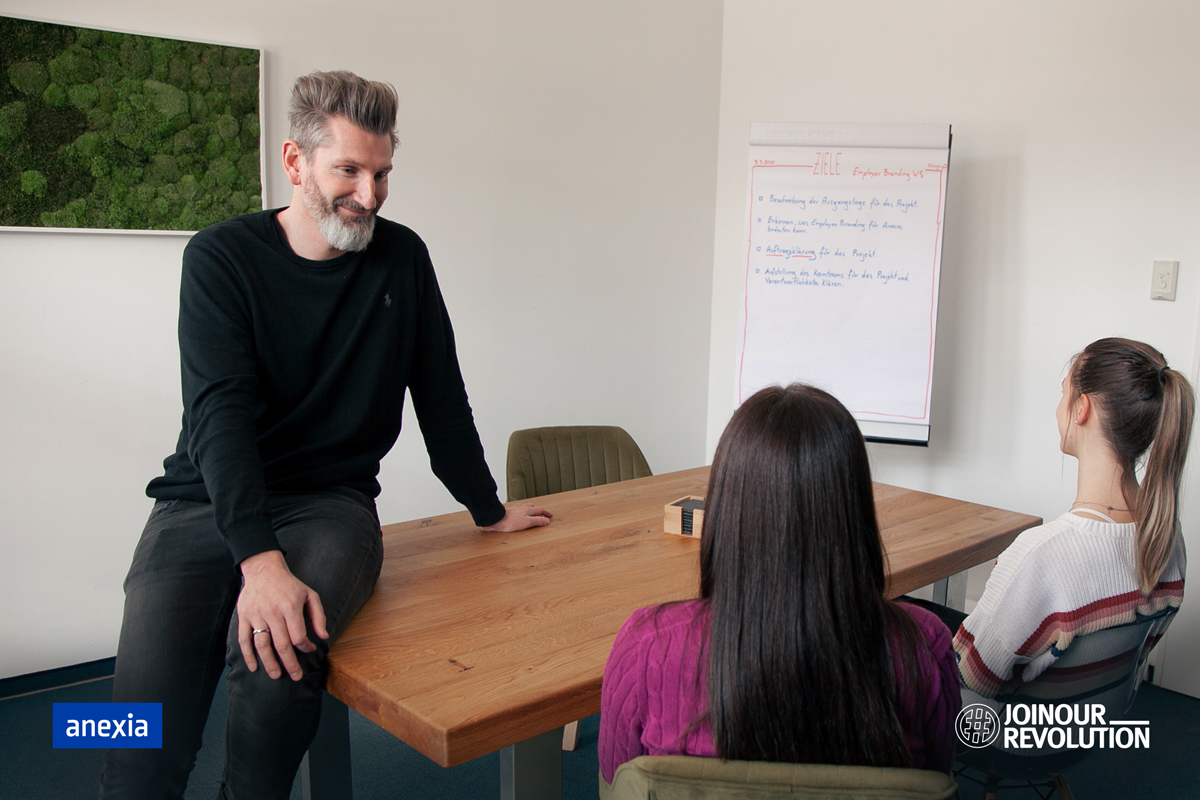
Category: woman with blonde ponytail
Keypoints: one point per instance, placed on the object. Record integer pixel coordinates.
(1117, 553)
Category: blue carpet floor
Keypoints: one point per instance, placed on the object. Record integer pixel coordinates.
(384, 767)
(387, 769)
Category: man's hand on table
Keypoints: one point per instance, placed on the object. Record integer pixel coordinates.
(274, 601)
(521, 517)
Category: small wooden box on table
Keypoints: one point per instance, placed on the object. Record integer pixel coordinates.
(684, 517)
(475, 642)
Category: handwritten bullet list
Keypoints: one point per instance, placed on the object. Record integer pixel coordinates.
(787, 235)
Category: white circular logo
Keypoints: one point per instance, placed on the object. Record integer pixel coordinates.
(977, 725)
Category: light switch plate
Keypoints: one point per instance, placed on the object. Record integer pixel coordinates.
(1162, 283)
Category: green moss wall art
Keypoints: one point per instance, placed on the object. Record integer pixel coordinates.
(103, 130)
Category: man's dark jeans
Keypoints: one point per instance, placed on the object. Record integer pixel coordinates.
(177, 634)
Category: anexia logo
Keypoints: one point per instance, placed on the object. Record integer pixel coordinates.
(80, 725)
(1045, 726)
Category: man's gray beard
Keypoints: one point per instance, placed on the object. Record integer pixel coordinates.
(341, 234)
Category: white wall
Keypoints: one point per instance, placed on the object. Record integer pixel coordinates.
(1074, 166)
(560, 162)
(89, 404)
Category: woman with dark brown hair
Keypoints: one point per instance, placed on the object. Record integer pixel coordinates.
(1117, 553)
(792, 653)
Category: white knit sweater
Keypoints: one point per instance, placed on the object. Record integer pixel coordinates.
(1067, 578)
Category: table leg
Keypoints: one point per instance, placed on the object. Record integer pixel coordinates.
(532, 769)
(952, 592)
(325, 770)
(570, 735)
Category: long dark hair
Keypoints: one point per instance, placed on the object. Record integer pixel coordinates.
(791, 564)
(1143, 405)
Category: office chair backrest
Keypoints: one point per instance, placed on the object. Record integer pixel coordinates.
(1101, 667)
(558, 459)
(1104, 667)
(694, 778)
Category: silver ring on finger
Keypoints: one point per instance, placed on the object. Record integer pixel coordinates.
(257, 631)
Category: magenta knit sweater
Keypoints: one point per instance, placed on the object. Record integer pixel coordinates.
(652, 692)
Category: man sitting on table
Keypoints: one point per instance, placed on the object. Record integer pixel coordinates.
(299, 331)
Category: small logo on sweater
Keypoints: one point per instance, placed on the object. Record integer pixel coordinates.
(387, 300)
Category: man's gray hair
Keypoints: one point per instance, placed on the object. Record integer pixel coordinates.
(316, 97)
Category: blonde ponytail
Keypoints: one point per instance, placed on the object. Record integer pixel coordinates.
(1157, 506)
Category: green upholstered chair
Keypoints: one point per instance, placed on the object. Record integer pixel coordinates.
(692, 778)
(558, 459)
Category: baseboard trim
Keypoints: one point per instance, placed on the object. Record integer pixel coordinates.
(51, 678)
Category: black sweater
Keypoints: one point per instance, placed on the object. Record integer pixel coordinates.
(294, 374)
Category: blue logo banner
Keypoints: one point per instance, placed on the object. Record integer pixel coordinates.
(82, 725)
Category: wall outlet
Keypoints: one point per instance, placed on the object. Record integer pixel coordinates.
(1162, 283)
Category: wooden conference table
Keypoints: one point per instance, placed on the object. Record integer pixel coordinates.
(475, 642)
